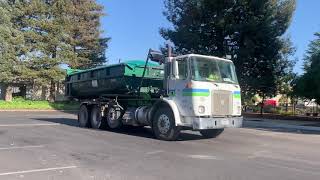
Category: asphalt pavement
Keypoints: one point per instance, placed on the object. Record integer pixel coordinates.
(49, 145)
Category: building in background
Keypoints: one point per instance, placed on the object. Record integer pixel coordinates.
(34, 92)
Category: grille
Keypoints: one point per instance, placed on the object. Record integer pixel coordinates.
(222, 103)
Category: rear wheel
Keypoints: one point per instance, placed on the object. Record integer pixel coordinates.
(83, 116)
(97, 121)
(114, 117)
(211, 133)
(164, 126)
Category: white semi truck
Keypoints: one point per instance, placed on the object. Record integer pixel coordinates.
(197, 92)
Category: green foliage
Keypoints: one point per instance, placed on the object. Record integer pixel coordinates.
(251, 32)
(85, 37)
(20, 103)
(38, 36)
(308, 85)
(269, 109)
(248, 100)
(11, 46)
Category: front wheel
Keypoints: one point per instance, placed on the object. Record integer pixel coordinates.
(164, 126)
(211, 133)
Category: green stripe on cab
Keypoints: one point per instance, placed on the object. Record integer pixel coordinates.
(203, 94)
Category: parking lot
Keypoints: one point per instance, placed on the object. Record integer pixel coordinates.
(49, 145)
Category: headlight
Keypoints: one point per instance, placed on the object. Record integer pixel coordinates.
(201, 109)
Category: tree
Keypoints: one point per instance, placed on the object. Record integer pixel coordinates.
(58, 32)
(308, 85)
(85, 36)
(11, 46)
(43, 24)
(251, 32)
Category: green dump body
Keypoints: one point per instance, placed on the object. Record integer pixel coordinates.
(118, 79)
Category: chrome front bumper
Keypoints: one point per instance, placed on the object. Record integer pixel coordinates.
(217, 123)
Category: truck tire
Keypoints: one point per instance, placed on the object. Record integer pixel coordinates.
(163, 125)
(114, 118)
(83, 116)
(97, 121)
(211, 133)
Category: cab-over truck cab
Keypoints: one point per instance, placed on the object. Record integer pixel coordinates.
(203, 93)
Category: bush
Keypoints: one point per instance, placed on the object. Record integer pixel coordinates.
(269, 109)
(286, 113)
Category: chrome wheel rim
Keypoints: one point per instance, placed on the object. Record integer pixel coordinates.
(163, 124)
(111, 115)
(113, 118)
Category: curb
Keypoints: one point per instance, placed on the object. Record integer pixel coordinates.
(285, 118)
(262, 124)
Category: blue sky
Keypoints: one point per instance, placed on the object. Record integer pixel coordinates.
(134, 26)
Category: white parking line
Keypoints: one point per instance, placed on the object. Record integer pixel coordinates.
(28, 125)
(21, 147)
(154, 152)
(203, 157)
(37, 170)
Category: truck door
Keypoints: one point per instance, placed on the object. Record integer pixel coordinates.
(178, 82)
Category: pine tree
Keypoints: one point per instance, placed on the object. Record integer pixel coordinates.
(251, 32)
(58, 32)
(11, 46)
(42, 24)
(85, 34)
(308, 85)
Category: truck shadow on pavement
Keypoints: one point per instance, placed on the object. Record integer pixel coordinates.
(144, 132)
(64, 121)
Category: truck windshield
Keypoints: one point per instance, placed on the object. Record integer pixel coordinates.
(207, 69)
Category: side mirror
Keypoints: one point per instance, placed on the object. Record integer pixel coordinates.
(156, 56)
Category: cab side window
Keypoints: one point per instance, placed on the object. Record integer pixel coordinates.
(183, 69)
